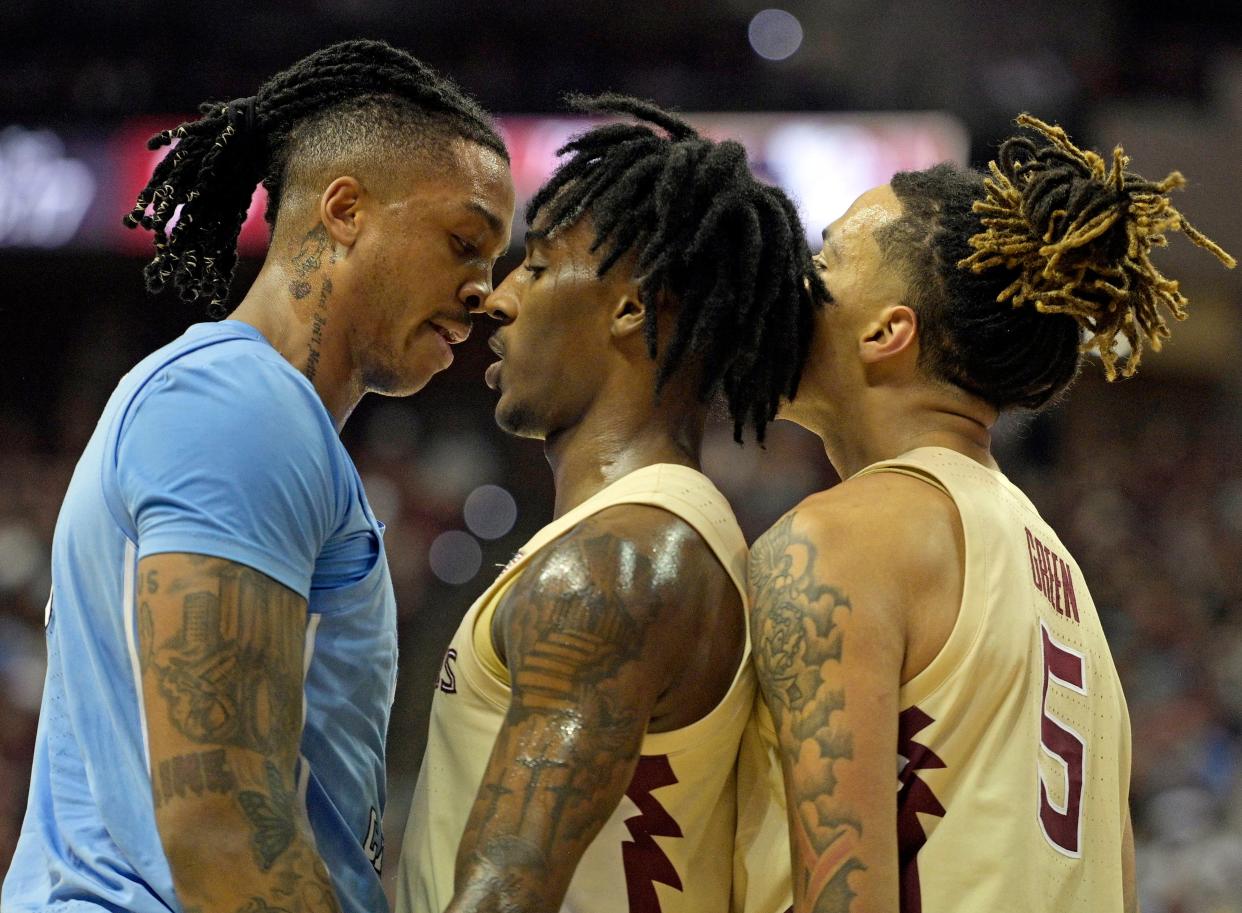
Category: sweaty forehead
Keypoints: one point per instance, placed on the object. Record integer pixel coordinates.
(470, 171)
(480, 167)
(873, 210)
(467, 180)
(458, 168)
(575, 236)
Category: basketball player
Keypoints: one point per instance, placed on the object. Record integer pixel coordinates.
(922, 610)
(587, 721)
(222, 634)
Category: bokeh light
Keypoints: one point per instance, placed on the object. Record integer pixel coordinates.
(490, 512)
(775, 34)
(455, 557)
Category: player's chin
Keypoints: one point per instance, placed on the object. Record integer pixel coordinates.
(402, 380)
(786, 410)
(421, 378)
(514, 418)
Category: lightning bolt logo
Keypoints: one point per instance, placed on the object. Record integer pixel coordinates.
(644, 861)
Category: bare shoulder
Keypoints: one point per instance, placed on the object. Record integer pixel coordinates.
(887, 545)
(647, 527)
(910, 525)
(639, 549)
(633, 566)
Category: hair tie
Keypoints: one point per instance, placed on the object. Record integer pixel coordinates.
(240, 114)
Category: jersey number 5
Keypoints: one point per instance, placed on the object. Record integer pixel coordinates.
(1062, 824)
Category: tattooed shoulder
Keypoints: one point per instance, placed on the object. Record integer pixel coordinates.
(583, 589)
(795, 619)
(586, 669)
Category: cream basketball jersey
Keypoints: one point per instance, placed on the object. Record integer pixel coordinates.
(1014, 743)
(669, 846)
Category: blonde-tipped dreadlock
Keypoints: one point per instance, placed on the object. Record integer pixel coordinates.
(1080, 236)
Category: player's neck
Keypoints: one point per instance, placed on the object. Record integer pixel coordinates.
(299, 330)
(887, 423)
(619, 434)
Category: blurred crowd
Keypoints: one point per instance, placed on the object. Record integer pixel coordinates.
(1141, 480)
(1144, 486)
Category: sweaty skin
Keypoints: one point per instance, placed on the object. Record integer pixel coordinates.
(619, 587)
(857, 589)
(656, 622)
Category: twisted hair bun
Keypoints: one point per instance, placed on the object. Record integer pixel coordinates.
(1079, 234)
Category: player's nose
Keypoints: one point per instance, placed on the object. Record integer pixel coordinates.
(473, 293)
(502, 303)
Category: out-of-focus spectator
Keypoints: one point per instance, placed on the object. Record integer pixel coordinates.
(1141, 479)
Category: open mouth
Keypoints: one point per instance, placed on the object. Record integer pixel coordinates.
(491, 376)
(451, 332)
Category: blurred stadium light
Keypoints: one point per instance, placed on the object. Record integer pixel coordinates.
(48, 180)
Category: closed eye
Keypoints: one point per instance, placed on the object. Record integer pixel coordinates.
(464, 247)
(533, 269)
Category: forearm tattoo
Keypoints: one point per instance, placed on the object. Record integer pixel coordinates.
(223, 660)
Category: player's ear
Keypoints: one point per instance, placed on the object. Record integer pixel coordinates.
(339, 211)
(629, 313)
(893, 331)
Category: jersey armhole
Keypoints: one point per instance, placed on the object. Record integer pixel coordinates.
(481, 637)
(969, 623)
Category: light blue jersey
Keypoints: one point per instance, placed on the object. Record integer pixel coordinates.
(213, 445)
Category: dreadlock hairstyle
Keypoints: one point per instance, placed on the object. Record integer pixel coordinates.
(351, 95)
(1016, 274)
(727, 251)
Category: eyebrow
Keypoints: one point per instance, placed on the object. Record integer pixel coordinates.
(831, 245)
(533, 234)
(491, 218)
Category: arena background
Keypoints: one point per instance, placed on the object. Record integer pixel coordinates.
(1143, 479)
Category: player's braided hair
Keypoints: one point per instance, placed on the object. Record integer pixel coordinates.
(1048, 257)
(207, 180)
(728, 252)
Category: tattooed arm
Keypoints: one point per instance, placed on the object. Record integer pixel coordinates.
(221, 656)
(833, 586)
(593, 633)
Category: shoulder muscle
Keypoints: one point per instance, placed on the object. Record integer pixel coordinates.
(622, 574)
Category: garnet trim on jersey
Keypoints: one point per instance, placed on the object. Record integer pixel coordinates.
(644, 861)
(913, 796)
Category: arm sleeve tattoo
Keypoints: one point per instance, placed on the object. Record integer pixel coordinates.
(799, 646)
(578, 640)
(221, 659)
